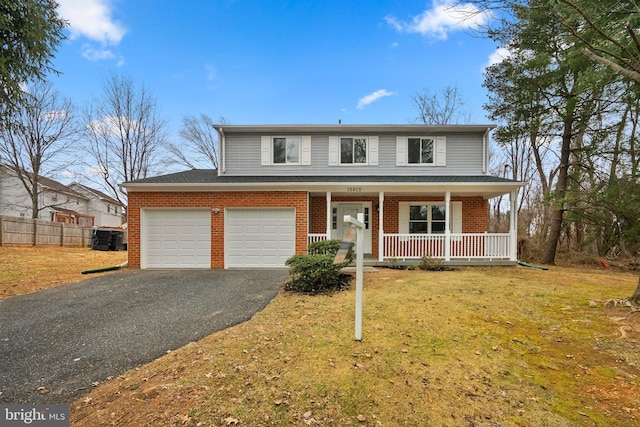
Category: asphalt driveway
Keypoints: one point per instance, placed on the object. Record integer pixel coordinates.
(55, 343)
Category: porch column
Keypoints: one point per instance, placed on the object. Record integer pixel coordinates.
(447, 228)
(381, 226)
(329, 213)
(513, 226)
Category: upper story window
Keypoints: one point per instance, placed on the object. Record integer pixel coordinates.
(54, 197)
(353, 150)
(420, 150)
(286, 150)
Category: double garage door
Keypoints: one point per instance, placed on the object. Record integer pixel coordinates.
(181, 238)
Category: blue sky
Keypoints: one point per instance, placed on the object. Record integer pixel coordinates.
(257, 62)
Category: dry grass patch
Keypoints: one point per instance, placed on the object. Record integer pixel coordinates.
(28, 269)
(474, 347)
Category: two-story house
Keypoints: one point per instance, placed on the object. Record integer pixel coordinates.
(107, 211)
(72, 204)
(423, 190)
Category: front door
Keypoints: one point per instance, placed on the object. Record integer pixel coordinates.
(354, 209)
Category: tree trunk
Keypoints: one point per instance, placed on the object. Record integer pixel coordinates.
(557, 212)
(635, 298)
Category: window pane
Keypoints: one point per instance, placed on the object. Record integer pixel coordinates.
(279, 150)
(418, 213)
(293, 150)
(427, 151)
(346, 150)
(418, 227)
(437, 212)
(437, 227)
(360, 150)
(414, 150)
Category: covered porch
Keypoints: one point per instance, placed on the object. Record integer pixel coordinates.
(405, 225)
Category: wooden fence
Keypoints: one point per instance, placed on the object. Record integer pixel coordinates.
(23, 231)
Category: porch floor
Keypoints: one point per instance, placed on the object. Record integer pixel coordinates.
(370, 261)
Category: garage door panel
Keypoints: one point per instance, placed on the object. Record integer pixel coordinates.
(259, 237)
(177, 238)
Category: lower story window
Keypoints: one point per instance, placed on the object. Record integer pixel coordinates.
(427, 219)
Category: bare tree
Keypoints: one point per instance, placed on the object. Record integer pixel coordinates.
(200, 142)
(36, 139)
(125, 134)
(441, 108)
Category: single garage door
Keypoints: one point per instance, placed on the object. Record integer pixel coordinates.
(176, 238)
(259, 237)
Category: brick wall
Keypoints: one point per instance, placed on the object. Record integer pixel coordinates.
(475, 213)
(221, 200)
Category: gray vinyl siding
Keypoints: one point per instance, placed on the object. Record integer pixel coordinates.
(464, 157)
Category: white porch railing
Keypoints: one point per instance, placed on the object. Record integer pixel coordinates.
(316, 237)
(412, 246)
(471, 246)
(479, 246)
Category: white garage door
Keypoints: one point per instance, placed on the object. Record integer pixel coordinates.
(176, 238)
(259, 237)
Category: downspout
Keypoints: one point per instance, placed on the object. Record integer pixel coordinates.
(221, 146)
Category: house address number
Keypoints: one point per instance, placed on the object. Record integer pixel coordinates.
(354, 189)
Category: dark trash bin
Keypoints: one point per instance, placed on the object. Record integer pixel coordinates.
(108, 240)
(100, 239)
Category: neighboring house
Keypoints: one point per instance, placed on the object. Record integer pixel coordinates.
(57, 202)
(107, 211)
(423, 190)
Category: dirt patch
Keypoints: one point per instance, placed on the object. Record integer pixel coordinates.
(473, 347)
(28, 269)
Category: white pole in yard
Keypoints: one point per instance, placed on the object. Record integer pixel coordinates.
(359, 225)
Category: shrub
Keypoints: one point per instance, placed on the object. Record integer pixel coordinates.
(315, 273)
(331, 247)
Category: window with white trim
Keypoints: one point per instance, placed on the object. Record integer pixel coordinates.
(421, 150)
(353, 150)
(286, 150)
(426, 219)
(429, 217)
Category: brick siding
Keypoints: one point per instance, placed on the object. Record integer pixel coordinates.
(220, 200)
(475, 213)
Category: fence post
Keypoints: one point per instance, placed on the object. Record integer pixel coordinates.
(62, 234)
(1, 230)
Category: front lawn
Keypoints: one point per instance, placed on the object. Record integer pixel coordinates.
(472, 347)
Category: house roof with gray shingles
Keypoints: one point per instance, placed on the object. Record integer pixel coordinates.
(210, 176)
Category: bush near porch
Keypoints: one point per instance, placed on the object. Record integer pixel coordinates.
(316, 272)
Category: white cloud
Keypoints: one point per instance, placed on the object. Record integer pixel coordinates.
(373, 97)
(91, 19)
(93, 54)
(54, 115)
(211, 72)
(444, 17)
(499, 55)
